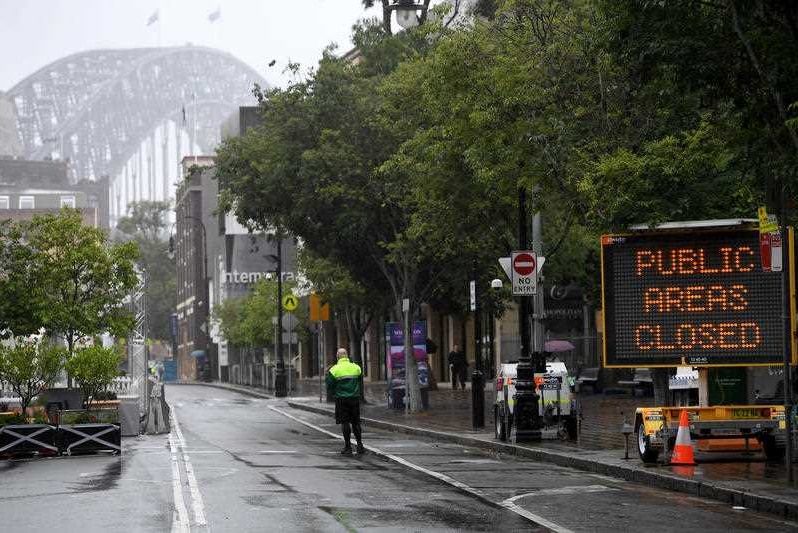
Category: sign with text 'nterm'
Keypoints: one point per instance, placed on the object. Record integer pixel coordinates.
(694, 298)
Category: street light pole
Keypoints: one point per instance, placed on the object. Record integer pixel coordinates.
(526, 414)
(477, 383)
(786, 329)
(279, 374)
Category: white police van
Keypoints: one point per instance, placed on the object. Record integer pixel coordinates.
(557, 403)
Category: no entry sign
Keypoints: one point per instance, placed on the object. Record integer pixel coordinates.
(524, 270)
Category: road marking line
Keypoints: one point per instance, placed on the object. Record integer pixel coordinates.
(197, 506)
(572, 489)
(180, 518)
(178, 526)
(509, 505)
(272, 451)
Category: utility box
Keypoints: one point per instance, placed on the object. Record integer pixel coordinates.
(129, 416)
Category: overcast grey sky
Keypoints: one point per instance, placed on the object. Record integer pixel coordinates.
(34, 33)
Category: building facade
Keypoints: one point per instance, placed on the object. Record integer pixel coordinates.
(193, 216)
(217, 258)
(30, 188)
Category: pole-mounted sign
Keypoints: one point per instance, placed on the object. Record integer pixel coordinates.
(290, 302)
(318, 310)
(524, 273)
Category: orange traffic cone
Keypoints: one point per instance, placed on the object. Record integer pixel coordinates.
(683, 449)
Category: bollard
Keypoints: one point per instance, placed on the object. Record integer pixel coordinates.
(626, 430)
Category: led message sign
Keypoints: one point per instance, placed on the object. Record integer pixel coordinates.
(698, 298)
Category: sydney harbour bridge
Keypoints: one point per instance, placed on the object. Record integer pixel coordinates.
(130, 114)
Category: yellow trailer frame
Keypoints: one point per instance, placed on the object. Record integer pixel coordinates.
(656, 427)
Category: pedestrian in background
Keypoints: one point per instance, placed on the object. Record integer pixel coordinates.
(457, 366)
(343, 383)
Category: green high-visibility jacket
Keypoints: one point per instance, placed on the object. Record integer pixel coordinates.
(343, 379)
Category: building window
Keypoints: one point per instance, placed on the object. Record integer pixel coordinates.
(27, 202)
(5, 202)
(68, 201)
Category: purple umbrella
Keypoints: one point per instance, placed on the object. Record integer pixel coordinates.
(554, 346)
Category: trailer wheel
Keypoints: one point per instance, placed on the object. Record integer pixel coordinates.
(648, 454)
(500, 428)
(774, 448)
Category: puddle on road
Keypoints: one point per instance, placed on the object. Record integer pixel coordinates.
(423, 516)
(99, 481)
(241, 401)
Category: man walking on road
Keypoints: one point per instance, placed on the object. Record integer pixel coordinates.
(343, 382)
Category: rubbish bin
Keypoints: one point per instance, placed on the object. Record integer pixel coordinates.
(397, 398)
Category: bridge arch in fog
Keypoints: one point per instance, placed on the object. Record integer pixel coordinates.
(130, 114)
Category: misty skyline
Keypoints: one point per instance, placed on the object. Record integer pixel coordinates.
(255, 32)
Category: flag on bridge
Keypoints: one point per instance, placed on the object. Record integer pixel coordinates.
(213, 17)
(153, 18)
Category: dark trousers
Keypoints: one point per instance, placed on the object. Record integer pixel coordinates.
(458, 374)
(347, 413)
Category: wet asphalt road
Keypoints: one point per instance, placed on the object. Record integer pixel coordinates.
(237, 464)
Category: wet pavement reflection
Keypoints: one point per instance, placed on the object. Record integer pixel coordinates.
(600, 435)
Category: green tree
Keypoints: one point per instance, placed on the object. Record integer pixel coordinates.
(147, 220)
(605, 112)
(28, 366)
(247, 321)
(357, 305)
(511, 103)
(21, 292)
(230, 315)
(82, 278)
(147, 225)
(723, 67)
(313, 170)
(94, 368)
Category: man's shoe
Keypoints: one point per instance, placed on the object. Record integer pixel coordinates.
(360, 449)
(346, 451)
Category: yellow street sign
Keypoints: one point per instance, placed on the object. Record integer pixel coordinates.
(766, 224)
(290, 302)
